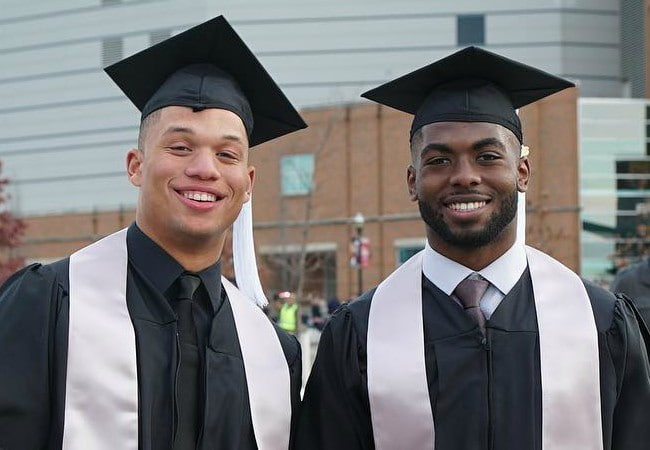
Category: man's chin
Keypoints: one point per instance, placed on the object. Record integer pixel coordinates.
(470, 240)
(199, 232)
(470, 235)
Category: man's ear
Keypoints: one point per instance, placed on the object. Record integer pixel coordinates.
(523, 174)
(134, 158)
(411, 178)
(251, 178)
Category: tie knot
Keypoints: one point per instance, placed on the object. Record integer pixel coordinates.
(470, 290)
(187, 285)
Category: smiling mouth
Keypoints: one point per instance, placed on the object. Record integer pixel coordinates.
(467, 206)
(199, 196)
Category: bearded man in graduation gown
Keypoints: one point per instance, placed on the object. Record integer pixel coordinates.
(137, 341)
(477, 342)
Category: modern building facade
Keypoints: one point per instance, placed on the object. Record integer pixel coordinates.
(615, 184)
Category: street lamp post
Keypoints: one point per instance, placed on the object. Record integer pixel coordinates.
(358, 225)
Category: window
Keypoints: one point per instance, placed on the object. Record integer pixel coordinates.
(470, 29)
(297, 172)
(112, 49)
(647, 130)
(632, 232)
(285, 270)
(405, 253)
(407, 247)
(614, 185)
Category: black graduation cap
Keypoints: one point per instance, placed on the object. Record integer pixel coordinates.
(471, 85)
(208, 66)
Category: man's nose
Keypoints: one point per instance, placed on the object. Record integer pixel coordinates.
(203, 164)
(465, 173)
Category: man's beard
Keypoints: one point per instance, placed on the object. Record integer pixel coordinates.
(471, 239)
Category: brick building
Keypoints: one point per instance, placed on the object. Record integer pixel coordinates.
(360, 155)
(353, 159)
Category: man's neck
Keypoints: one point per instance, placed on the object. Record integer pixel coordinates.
(196, 261)
(473, 258)
(193, 254)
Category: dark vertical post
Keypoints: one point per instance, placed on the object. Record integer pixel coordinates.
(358, 225)
(359, 268)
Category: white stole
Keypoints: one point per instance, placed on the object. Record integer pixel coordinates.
(397, 385)
(101, 405)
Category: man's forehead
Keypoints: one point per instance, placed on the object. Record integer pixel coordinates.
(466, 131)
(181, 119)
(190, 115)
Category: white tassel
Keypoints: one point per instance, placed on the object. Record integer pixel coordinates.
(243, 254)
(521, 206)
(521, 218)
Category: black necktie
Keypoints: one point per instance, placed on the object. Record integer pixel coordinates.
(188, 370)
(187, 285)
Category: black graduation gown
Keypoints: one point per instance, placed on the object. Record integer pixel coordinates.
(33, 354)
(483, 395)
(634, 281)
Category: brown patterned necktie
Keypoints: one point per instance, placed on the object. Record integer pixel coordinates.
(469, 292)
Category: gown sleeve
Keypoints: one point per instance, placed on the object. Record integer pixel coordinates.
(335, 413)
(30, 311)
(292, 352)
(628, 341)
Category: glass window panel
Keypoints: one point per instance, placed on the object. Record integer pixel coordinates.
(112, 50)
(404, 253)
(470, 29)
(297, 172)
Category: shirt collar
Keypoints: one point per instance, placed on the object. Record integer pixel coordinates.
(211, 278)
(162, 270)
(503, 273)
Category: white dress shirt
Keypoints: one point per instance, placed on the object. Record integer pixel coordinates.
(502, 274)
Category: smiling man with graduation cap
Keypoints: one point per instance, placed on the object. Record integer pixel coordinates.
(477, 342)
(136, 341)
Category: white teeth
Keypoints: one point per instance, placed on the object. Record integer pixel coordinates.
(199, 196)
(470, 206)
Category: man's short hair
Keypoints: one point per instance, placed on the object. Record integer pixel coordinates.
(145, 124)
(416, 143)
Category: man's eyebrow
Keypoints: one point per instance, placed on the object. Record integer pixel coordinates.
(178, 129)
(444, 148)
(488, 142)
(233, 137)
(181, 129)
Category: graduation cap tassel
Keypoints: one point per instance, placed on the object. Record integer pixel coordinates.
(243, 253)
(521, 218)
(521, 206)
